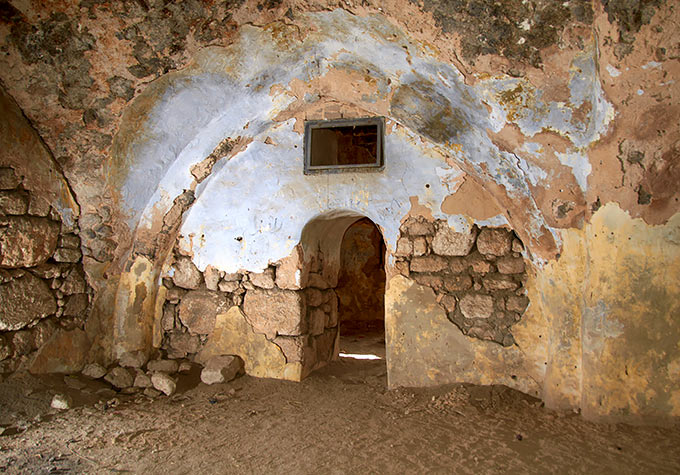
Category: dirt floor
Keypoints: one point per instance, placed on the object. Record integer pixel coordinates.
(341, 419)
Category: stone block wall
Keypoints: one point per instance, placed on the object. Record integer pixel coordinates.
(302, 322)
(478, 277)
(43, 288)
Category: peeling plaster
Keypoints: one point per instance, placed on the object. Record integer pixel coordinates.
(226, 98)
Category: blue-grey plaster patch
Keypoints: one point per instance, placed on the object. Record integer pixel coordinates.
(226, 93)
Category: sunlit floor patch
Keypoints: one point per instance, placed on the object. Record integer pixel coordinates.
(359, 356)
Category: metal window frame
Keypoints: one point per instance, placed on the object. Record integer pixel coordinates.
(376, 166)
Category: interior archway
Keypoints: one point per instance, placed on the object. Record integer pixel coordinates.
(361, 292)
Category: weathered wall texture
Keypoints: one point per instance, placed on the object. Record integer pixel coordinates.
(618, 317)
(44, 296)
(178, 129)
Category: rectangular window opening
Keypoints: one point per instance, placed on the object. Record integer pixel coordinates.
(344, 145)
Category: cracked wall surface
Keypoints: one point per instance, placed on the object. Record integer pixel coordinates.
(176, 130)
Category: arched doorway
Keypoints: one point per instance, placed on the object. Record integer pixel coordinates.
(344, 254)
(361, 292)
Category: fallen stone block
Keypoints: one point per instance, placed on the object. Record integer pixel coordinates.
(221, 369)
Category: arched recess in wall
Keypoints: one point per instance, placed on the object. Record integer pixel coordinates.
(321, 264)
(211, 128)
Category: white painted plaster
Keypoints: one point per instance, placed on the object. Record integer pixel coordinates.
(262, 197)
(579, 164)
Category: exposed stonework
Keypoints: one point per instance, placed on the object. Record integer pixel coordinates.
(278, 332)
(517, 30)
(27, 241)
(43, 289)
(478, 278)
(198, 308)
(531, 115)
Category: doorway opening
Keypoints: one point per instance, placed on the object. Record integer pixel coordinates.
(361, 292)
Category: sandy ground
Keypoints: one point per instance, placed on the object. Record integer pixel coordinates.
(339, 420)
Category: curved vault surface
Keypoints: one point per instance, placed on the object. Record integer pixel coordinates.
(437, 132)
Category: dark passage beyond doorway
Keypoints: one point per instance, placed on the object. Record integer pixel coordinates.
(361, 292)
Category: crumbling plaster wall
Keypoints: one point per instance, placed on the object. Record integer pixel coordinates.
(535, 116)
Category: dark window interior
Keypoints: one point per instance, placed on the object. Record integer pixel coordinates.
(343, 145)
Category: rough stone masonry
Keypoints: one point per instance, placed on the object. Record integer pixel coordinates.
(478, 276)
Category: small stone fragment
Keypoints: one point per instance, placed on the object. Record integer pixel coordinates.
(516, 303)
(74, 283)
(142, 381)
(152, 392)
(47, 270)
(93, 371)
(220, 369)
(449, 303)
(457, 283)
(61, 402)
(448, 242)
(434, 281)
(67, 255)
(168, 318)
(314, 297)
(69, 241)
(429, 264)
(476, 306)
(22, 342)
(419, 246)
(517, 245)
(186, 274)
(182, 344)
(119, 378)
(164, 383)
(184, 367)
(75, 305)
(264, 280)
(494, 241)
(165, 366)
(510, 265)
(404, 247)
(232, 277)
(211, 275)
(132, 359)
(418, 227)
(499, 282)
(228, 286)
(8, 179)
(478, 264)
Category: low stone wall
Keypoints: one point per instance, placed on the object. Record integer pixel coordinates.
(42, 284)
(302, 323)
(478, 276)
